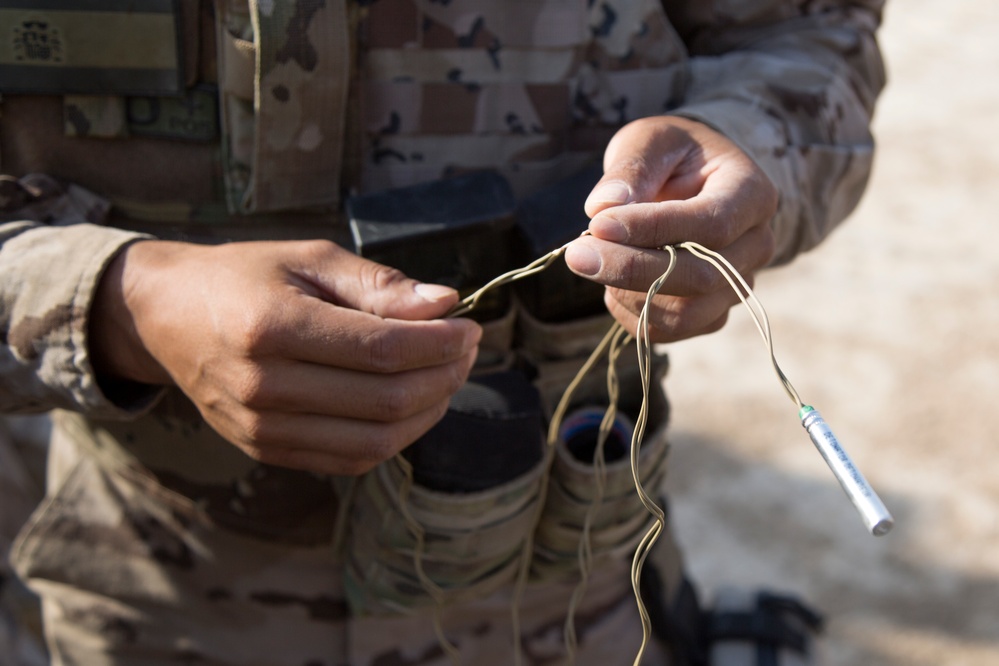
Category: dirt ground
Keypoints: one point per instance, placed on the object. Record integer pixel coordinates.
(890, 330)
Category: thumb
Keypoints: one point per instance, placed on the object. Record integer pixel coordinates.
(638, 161)
(611, 190)
(361, 284)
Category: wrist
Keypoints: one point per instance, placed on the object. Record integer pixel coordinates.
(117, 351)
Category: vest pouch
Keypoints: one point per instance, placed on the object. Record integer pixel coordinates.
(548, 219)
(585, 501)
(455, 231)
(284, 72)
(447, 521)
(557, 351)
(496, 345)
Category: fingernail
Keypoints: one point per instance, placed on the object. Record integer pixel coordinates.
(611, 193)
(583, 259)
(433, 292)
(608, 228)
(473, 336)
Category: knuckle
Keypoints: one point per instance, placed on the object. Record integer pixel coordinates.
(457, 376)
(252, 388)
(251, 446)
(378, 450)
(632, 169)
(677, 314)
(625, 306)
(318, 249)
(255, 333)
(276, 453)
(767, 245)
(268, 456)
(290, 459)
(356, 467)
(439, 411)
(379, 276)
(620, 311)
(706, 317)
(392, 438)
(256, 429)
(720, 225)
(397, 401)
(383, 350)
(629, 264)
(767, 192)
(717, 324)
(703, 278)
(677, 318)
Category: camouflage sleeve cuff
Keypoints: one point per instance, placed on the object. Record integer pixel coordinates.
(48, 276)
(813, 143)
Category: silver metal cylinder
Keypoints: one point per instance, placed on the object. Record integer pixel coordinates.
(876, 517)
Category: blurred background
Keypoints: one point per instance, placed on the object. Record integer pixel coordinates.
(891, 330)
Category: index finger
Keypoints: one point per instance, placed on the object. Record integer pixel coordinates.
(729, 204)
(634, 269)
(310, 329)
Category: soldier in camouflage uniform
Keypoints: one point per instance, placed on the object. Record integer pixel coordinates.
(224, 485)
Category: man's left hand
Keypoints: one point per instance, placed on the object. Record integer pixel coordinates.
(668, 180)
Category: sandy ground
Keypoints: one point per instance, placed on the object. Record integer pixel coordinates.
(890, 329)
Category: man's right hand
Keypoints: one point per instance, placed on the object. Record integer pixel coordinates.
(302, 354)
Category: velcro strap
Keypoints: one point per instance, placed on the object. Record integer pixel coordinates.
(118, 47)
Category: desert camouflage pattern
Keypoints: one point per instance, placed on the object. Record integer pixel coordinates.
(799, 101)
(448, 87)
(146, 590)
(43, 319)
(23, 446)
(468, 545)
(159, 542)
(284, 94)
(99, 116)
(184, 548)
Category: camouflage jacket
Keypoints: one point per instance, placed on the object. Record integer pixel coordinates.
(246, 119)
(793, 82)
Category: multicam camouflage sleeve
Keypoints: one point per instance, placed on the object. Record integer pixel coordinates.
(51, 257)
(794, 84)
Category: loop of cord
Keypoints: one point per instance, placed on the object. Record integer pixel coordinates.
(612, 344)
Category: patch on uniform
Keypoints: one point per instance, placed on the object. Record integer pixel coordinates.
(100, 116)
(116, 47)
(194, 117)
(35, 41)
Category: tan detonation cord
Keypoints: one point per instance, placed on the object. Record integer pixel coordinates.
(612, 344)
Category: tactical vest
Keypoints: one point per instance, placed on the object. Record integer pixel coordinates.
(124, 102)
(256, 120)
(175, 108)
